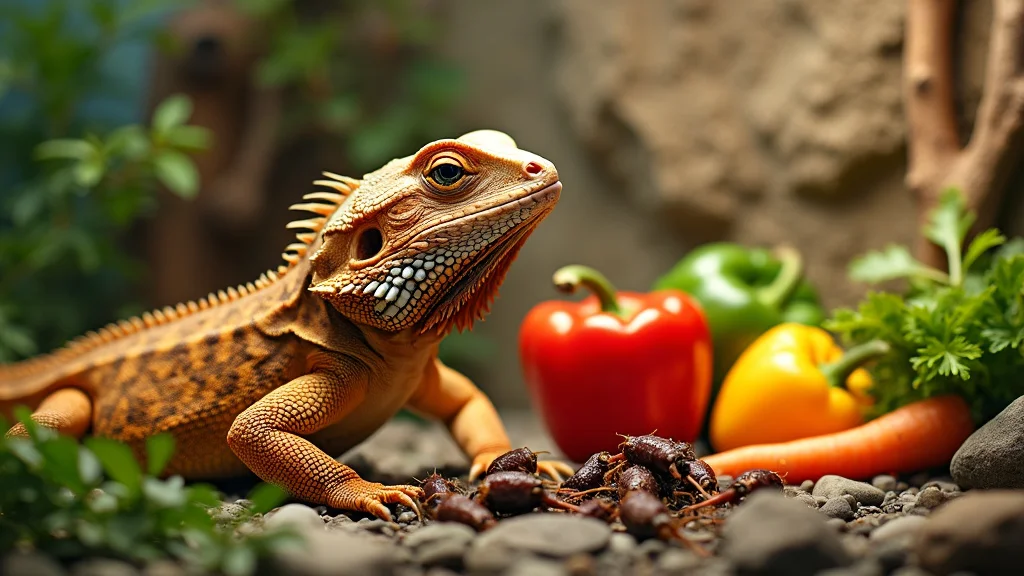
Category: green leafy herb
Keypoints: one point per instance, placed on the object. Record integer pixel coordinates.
(71, 501)
(956, 333)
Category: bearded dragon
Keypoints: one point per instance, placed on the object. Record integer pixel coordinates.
(313, 357)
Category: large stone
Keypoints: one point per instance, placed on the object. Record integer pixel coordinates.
(993, 457)
(341, 553)
(770, 534)
(979, 532)
(832, 486)
(554, 535)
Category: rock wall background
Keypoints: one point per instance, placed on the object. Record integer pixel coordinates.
(676, 122)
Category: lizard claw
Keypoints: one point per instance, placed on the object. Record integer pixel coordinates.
(371, 497)
(555, 469)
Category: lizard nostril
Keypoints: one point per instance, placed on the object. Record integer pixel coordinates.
(533, 169)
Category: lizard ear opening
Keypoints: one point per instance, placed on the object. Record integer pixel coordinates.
(369, 243)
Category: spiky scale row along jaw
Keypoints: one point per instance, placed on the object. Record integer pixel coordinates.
(425, 241)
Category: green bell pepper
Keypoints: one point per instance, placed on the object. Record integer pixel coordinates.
(744, 292)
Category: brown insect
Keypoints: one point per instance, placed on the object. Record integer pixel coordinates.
(659, 454)
(435, 487)
(518, 460)
(637, 478)
(600, 508)
(459, 508)
(590, 475)
(644, 516)
(516, 493)
(743, 485)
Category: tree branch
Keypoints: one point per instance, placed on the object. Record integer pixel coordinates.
(936, 160)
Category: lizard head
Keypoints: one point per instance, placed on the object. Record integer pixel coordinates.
(424, 242)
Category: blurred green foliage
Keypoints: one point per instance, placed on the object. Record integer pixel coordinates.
(74, 175)
(77, 171)
(366, 71)
(72, 501)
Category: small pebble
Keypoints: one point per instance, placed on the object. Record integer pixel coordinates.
(300, 516)
(831, 486)
(930, 497)
(677, 561)
(884, 482)
(901, 486)
(807, 485)
(622, 543)
(407, 517)
(838, 508)
(851, 500)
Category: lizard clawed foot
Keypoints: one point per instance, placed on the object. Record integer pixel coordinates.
(370, 497)
(555, 469)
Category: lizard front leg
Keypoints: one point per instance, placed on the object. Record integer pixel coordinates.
(470, 417)
(266, 437)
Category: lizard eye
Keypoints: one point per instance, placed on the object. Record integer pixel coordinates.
(446, 176)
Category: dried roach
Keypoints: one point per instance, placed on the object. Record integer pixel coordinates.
(703, 478)
(516, 493)
(435, 487)
(743, 484)
(590, 475)
(459, 508)
(600, 508)
(637, 478)
(644, 516)
(659, 454)
(518, 460)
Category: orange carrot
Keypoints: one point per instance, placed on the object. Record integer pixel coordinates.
(916, 436)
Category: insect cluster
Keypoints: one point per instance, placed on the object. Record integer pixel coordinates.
(652, 488)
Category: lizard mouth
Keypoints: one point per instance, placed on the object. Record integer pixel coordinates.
(469, 296)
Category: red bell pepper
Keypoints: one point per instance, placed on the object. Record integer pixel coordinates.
(616, 363)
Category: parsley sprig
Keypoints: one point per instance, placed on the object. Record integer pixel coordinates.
(959, 332)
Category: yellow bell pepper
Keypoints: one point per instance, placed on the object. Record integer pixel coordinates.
(792, 382)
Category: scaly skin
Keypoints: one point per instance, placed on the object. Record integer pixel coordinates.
(308, 361)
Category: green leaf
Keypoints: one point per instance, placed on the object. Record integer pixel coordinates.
(172, 112)
(89, 468)
(239, 561)
(177, 172)
(890, 264)
(165, 494)
(128, 141)
(159, 449)
(189, 138)
(61, 460)
(947, 226)
(89, 172)
(66, 148)
(265, 497)
(118, 461)
(982, 243)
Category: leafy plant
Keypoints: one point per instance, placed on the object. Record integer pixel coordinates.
(74, 174)
(956, 332)
(71, 500)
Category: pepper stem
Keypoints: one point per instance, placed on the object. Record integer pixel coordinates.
(569, 278)
(837, 372)
(790, 274)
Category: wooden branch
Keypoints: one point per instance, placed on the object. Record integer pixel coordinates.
(936, 160)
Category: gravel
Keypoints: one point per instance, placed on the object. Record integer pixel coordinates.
(913, 525)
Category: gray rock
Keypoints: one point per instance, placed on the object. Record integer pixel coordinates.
(491, 559)
(407, 517)
(993, 457)
(103, 567)
(884, 482)
(441, 544)
(622, 543)
(299, 516)
(340, 553)
(29, 564)
(536, 567)
(769, 534)
(651, 548)
(930, 497)
(838, 508)
(979, 532)
(677, 561)
(807, 485)
(555, 535)
(832, 486)
(901, 530)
